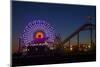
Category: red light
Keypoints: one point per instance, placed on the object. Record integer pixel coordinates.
(39, 35)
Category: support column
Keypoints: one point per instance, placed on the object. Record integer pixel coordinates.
(19, 46)
(78, 40)
(69, 44)
(91, 36)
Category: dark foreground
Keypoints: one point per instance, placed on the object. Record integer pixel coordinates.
(54, 59)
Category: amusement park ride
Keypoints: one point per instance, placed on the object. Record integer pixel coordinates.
(39, 42)
(40, 34)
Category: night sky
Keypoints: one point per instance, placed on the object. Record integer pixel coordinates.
(64, 18)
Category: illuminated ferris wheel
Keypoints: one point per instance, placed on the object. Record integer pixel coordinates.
(38, 31)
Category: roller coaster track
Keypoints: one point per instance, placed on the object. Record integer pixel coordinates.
(81, 28)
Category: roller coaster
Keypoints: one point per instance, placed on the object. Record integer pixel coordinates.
(88, 26)
(81, 28)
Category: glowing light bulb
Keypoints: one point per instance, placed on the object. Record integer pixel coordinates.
(89, 46)
(71, 48)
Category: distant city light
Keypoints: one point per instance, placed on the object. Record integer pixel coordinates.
(71, 48)
(89, 46)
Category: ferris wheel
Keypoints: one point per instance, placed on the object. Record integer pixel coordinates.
(38, 26)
